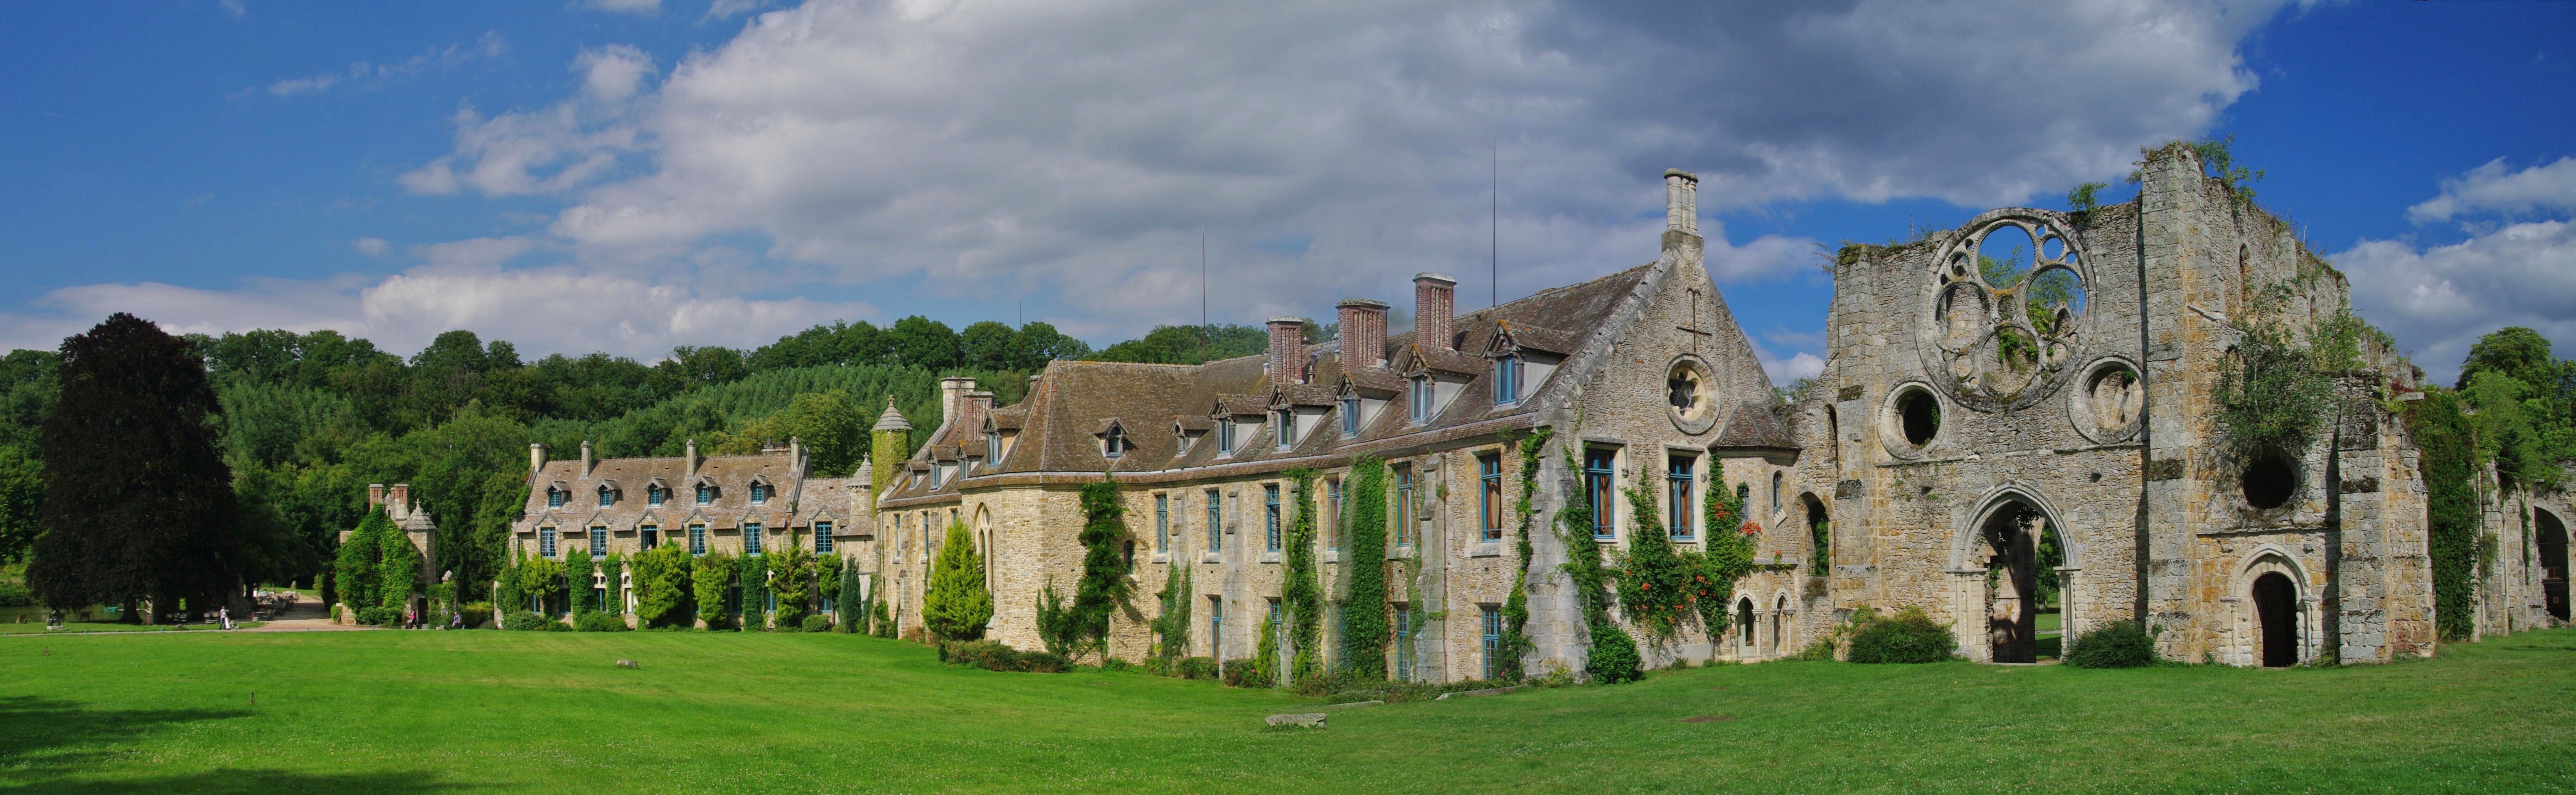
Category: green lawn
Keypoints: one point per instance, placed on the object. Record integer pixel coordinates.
(395, 712)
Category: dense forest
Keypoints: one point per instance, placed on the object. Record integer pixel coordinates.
(308, 420)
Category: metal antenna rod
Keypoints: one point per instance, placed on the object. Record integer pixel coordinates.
(1203, 298)
(1494, 221)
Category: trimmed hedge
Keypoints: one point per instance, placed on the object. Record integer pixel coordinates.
(380, 616)
(993, 656)
(2119, 644)
(528, 620)
(1910, 636)
(817, 623)
(600, 621)
(477, 614)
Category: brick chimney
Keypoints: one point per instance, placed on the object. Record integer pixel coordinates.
(1435, 301)
(1363, 332)
(375, 494)
(585, 458)
(1287, 340)
(397, 499)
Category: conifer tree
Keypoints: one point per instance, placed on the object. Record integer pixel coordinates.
(1104, 570)
(754, 574)
(138, 503)
(711, 576)
(957, 606)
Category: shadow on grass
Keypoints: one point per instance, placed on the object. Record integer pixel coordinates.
(53, 745)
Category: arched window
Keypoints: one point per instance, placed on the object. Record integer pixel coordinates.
(1744, 623)
(1775, 492)
(1114, 444)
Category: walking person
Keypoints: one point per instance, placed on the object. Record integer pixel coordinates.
(225, 615)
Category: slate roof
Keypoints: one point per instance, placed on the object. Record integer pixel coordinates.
(808, 497)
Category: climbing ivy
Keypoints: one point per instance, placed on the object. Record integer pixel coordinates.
(1612, 656)
(1303, 593)
(1516, 644)
(1654, 581)
(1364, 620)
(1104, 569)
(1726, 554)
(577, 571)
(2271, 396)
(1172, 626)
(2449, 458)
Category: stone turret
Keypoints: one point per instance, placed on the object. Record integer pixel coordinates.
(890, 442)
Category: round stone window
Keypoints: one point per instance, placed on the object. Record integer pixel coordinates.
(1911, 421)
(1690, 394)
(2108, 403)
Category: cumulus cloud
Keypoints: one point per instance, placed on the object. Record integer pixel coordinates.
(2490, 188)
(549, 309)
(370, 246)
(233, 8)
(1082, 148)
(369, 74)
(2438, 301)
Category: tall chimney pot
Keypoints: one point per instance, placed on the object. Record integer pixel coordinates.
(952, 398)
(1681, 201)
(585, 458)
(1363, 328)
(1287, 340)
(1435, 301)
(536, 458)
(693, 457)
(375, 494)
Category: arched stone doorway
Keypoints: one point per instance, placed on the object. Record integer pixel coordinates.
(1780, 627)
(2553, 562)
(2022, 555)
(1744, 627)
(2276, 612)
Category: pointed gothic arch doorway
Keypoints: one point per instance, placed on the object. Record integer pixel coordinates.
(2023, 553)
(2276, 610)
(2553, 562)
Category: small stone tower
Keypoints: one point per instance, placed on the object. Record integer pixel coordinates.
(890, 443)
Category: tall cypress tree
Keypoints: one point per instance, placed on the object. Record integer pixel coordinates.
(956, 606)
(1104, 570)
(138, 503)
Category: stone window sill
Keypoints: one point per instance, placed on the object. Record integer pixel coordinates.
(1211, 558)
(1160, 557)
(1270, 557)
(1486, 549)
(1332, 556)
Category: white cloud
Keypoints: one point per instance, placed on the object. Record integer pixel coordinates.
(727, 9)
(371, 75)
(370, 246)
(233, 8)
(2438, 301)
(2490, 188)
(1080, 149)
(638, 7)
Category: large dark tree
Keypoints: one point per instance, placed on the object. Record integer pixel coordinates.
(138, 503)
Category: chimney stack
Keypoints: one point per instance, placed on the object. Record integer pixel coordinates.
(693, 458)
(536, 458)
(1363, 332)
(1681, 201)
(375, 494)
(1287, 339)
(585, 458)
(397, 499)
(796, 455)
(1435, 302)
(952, 398)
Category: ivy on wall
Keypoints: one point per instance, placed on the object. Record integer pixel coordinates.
(1302, 596)
(1364, 619)
(2448, 445)
(1612, 656)
(1104, 568)
(1516, 643)
(1172, 624)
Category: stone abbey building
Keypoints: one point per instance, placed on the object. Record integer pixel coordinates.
(1982, 432)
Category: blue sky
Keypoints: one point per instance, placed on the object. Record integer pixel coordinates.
(629, 175)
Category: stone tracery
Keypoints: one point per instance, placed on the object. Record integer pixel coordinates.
(2006, 338)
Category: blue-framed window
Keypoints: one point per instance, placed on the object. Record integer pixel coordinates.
(706, 494)
(1270, 495)
(751, 539)
(1402, 509)
(1279, 631)
(1162, 523)
(607, 497)
(822, 538)
(653, 496)
(1286, 419)
(1419, 398)
(1599, 476)
(1216, 628)
(1489, 494)
(598, 542)
(1404, 643)
(1678, 493)
(992, 450)
(545, 542)
(1351, 416)
(1507, 380)
(648, 536)
(554, 498)
(1224, 435)
(697, 539)
(1333, 521)
(1215, 521)
(1492, 620)
(759, 493)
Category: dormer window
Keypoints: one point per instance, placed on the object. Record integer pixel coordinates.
(1225, 435)
(1420, 398)
(1507, 380)
(759, 493)
(606, 497)
(1114, 443)
(1181, 443)
(554, 498)
(653, 496)
(1351, 416)
(992, 449)
(706, 494)
(1285, 423)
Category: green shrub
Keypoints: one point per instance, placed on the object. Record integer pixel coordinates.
(1244, 673)
(817, 623)
(1044, 662)
(600, 621)
(2119, 644)
(1195, 668)
(881, 620)
(993, 656)
(957, 606)
(1910, 636)
(477, 614)
(14, 595)
(526, 620)
(1613, 658)
(380, 616)
(710, 576)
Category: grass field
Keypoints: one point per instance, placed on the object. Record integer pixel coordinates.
(399, 712)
